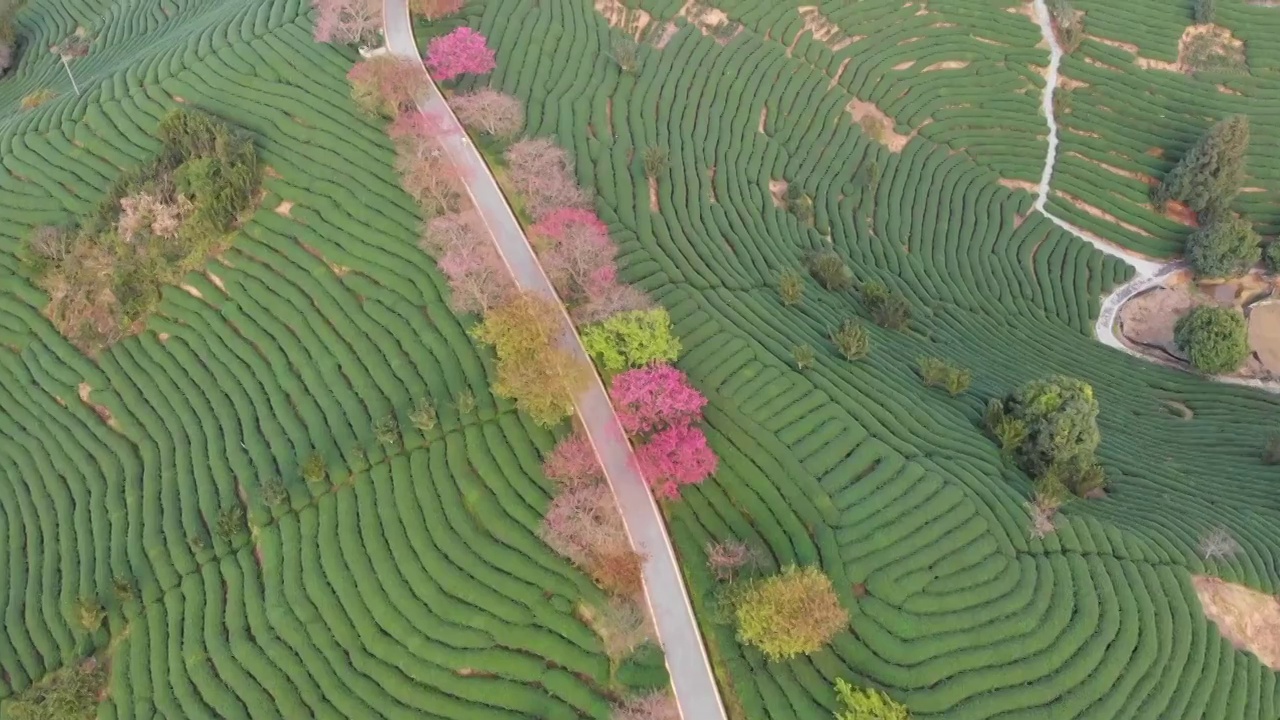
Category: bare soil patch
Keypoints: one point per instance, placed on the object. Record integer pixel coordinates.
(877, 124)
(194, 292)
(822, 29)
(710, 21)
(83, 390)
(904, 65)
(653, 195)
(632, 21)
(1132, 175)
(284, 207)
(1180, 213)
(1019, 185)
(1100, 213)
(1264, 334)
(1248, 618)
(947, 65)
(1147, 320)
(778, 190)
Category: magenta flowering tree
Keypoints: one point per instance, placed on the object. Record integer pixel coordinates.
(655, 398)
(573, 462)
(460, 52)
(576, 252)
(675, 457)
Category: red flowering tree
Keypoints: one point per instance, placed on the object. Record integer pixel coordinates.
(348, 21)
(576, 252)
(434, 9)
(383, 85)
(460, 52)
(655, 398)
(674, 457)
(573, 462)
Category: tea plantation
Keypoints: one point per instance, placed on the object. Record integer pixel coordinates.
(161, 481)
(892, 487)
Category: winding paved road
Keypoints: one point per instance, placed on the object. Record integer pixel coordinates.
(691, 677)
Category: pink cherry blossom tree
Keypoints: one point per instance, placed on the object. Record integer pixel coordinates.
(477, 278)
(460, 52)
(674, 457)
(540, 173)
(384, 85)
(573, 462)
(348, 21)
(490, 112)
(607, 301)
(417, 132)
(655, 398)
(575, 250)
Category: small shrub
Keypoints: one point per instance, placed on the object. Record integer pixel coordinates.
(424, 417)
(791, 287)
(867, 704)
(795, 612)
(1271, 453)
(465, 402)
(196, 543)
(387, 431)
(804, 356)
(830, 270)
(851, 340)
(936, 372)
(620, 624)
(123, 590)
(626, 52)
(656, 161)
(89, 614)
(1217, 544)
(68, 694)
(314, 469)
(274, 492)
(725, 559)
(1215, 339)
(230, 523)
(659, 705)
(889, 309)
(36, 98)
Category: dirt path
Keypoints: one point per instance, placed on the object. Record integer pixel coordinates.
(692, 679)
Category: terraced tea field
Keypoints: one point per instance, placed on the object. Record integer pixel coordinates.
(890, 486)
(408, 582)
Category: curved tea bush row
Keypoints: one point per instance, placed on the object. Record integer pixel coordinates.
(410, 581)
(858, 467)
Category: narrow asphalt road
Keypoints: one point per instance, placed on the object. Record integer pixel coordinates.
(691, 676)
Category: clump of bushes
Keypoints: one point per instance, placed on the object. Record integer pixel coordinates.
(1215, 339)
(68, 694)
(1067, 24)
(830, 270)
(867, 704)
(795, 612)
(583, 525)
(156, 223)
(799, 203)
(936, 372)
(851, 340)
(1050, 429)
(791, 287)
(889, 309)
